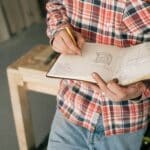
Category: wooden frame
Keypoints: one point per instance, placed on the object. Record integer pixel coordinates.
(28, 73)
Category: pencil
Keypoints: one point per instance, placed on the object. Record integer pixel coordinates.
(71, 36)
(55, 54)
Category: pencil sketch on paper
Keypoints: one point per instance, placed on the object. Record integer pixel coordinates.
(138, 60)
(62, 68)
(103, 57)
(108, 61)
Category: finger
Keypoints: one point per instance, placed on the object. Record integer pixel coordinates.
(115, 80)
(120, 92)
(125, 93)
(80, 40)
(91, 86)
(69, 42)
(141, 85)
(147, 93)
(133, 92)
(103, 86)
(61, 47)
(101, 83)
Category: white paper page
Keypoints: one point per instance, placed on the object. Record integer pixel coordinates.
(95, 58)
(135, 64)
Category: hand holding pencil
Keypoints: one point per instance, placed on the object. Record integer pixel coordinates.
(68, 42)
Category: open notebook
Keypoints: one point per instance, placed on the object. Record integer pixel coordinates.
(127, 64)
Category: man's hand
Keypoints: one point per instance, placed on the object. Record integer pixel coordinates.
(115, 92)
(63, 43)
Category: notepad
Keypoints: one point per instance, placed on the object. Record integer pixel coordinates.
(128, 65)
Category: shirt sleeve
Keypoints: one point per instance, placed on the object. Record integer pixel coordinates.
(137, 19)
(56, 17)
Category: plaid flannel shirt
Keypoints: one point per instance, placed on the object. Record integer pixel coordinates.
(116, 22)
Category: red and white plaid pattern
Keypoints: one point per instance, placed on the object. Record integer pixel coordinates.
(114, 22)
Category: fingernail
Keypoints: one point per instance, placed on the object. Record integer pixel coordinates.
(94, 74)
(80, 46)
(115, 80)
(79, 53)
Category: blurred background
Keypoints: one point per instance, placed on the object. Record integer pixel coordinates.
(22, 26)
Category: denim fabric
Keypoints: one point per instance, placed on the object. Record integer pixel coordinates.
(65, 135)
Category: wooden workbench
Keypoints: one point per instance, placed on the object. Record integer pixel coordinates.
(28, 73)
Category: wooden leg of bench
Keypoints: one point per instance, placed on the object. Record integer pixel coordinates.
(21, 111)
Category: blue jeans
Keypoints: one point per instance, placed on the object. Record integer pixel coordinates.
(65, 135)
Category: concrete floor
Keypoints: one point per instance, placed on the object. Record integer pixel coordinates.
(42, 106)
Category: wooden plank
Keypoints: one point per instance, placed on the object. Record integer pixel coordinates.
(51, 88)
(31, 76)
(31, 59)
(14, 15)
(33, 70)
(37, 81)
(21, 110)
(4, 33)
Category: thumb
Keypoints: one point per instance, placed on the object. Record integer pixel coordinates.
(80, 40)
